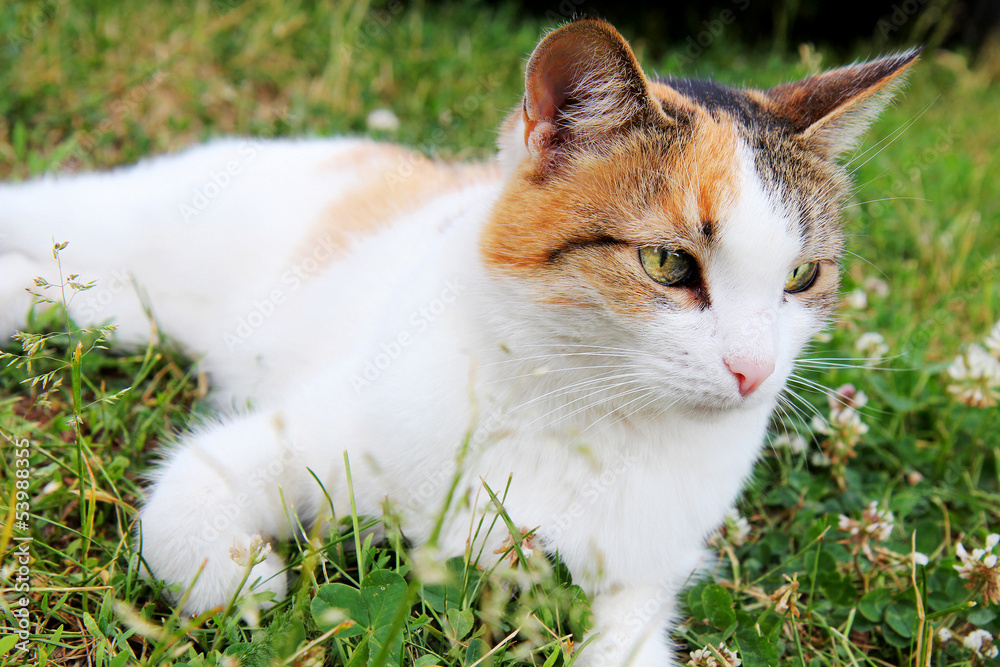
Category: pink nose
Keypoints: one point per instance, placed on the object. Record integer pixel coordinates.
(750, 374)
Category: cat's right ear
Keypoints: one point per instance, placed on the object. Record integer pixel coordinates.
(582, 85)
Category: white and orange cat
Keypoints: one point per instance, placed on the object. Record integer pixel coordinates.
(606, 315)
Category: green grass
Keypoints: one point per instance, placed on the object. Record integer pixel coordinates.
(92, 84)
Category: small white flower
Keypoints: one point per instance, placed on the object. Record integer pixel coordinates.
(975, 364)
(857, 299)
(872, 345)
(849, 396)
(993, 341)
(981, 642)
(974, 640)
(734, 529)
(848, 525)
(980, 569)
(820, 459)
(920, 559)
(879, 522)
(383, 119)
(977, 376)
(793, 442)
(877, 286)
(944, 635)
(705, 657)
(253, 553)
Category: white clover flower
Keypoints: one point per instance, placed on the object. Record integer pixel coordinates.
(993, 340)
(872, 345)
(874, 525)
(382, 119)
(920, 559)
(706, 657)
(820, 460)
(847, 396)
(876, 286)
(734, 530)
(253, 553)
(981, 642)
(977, 378)
(980, 569)
(856, 299)
(878, 523)
(793, 442)
(944, 635)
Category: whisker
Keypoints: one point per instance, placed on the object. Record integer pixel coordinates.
(566, 389)
(542, 372)
(647, 393)
(576, 400)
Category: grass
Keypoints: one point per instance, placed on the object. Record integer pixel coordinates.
(90, 85)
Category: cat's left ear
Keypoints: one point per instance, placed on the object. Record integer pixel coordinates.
(834, 109)
(582, 85)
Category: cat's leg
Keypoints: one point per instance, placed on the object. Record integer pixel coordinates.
(223, 489)
(631, 629)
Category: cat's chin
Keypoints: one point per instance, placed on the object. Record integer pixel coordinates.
(709, 407)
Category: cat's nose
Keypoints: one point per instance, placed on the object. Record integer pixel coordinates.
(750, 374)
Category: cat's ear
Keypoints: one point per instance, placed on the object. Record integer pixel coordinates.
(834, 109)
(582, 84)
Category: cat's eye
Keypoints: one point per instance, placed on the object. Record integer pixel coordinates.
(668, 267)
(801, 278)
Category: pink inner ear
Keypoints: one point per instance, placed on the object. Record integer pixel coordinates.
(549, 86)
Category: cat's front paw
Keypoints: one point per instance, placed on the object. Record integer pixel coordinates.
(212, 577)
(631, 629)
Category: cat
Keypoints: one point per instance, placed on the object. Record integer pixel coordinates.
(603, 318)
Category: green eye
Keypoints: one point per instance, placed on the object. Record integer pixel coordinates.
(667, 267)
(801, 278)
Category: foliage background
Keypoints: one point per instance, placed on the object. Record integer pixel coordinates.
(89, 84)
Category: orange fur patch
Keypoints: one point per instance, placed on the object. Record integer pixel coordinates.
(576, 233)
(392, 182)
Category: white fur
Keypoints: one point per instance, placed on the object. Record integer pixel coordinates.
(625, 442)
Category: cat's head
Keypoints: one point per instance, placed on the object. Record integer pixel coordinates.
(695, 224)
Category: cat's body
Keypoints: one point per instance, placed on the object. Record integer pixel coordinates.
(365, 299)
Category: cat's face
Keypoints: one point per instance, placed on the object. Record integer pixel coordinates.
(694, 225)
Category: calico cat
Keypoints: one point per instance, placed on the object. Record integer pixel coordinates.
(604, 318)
